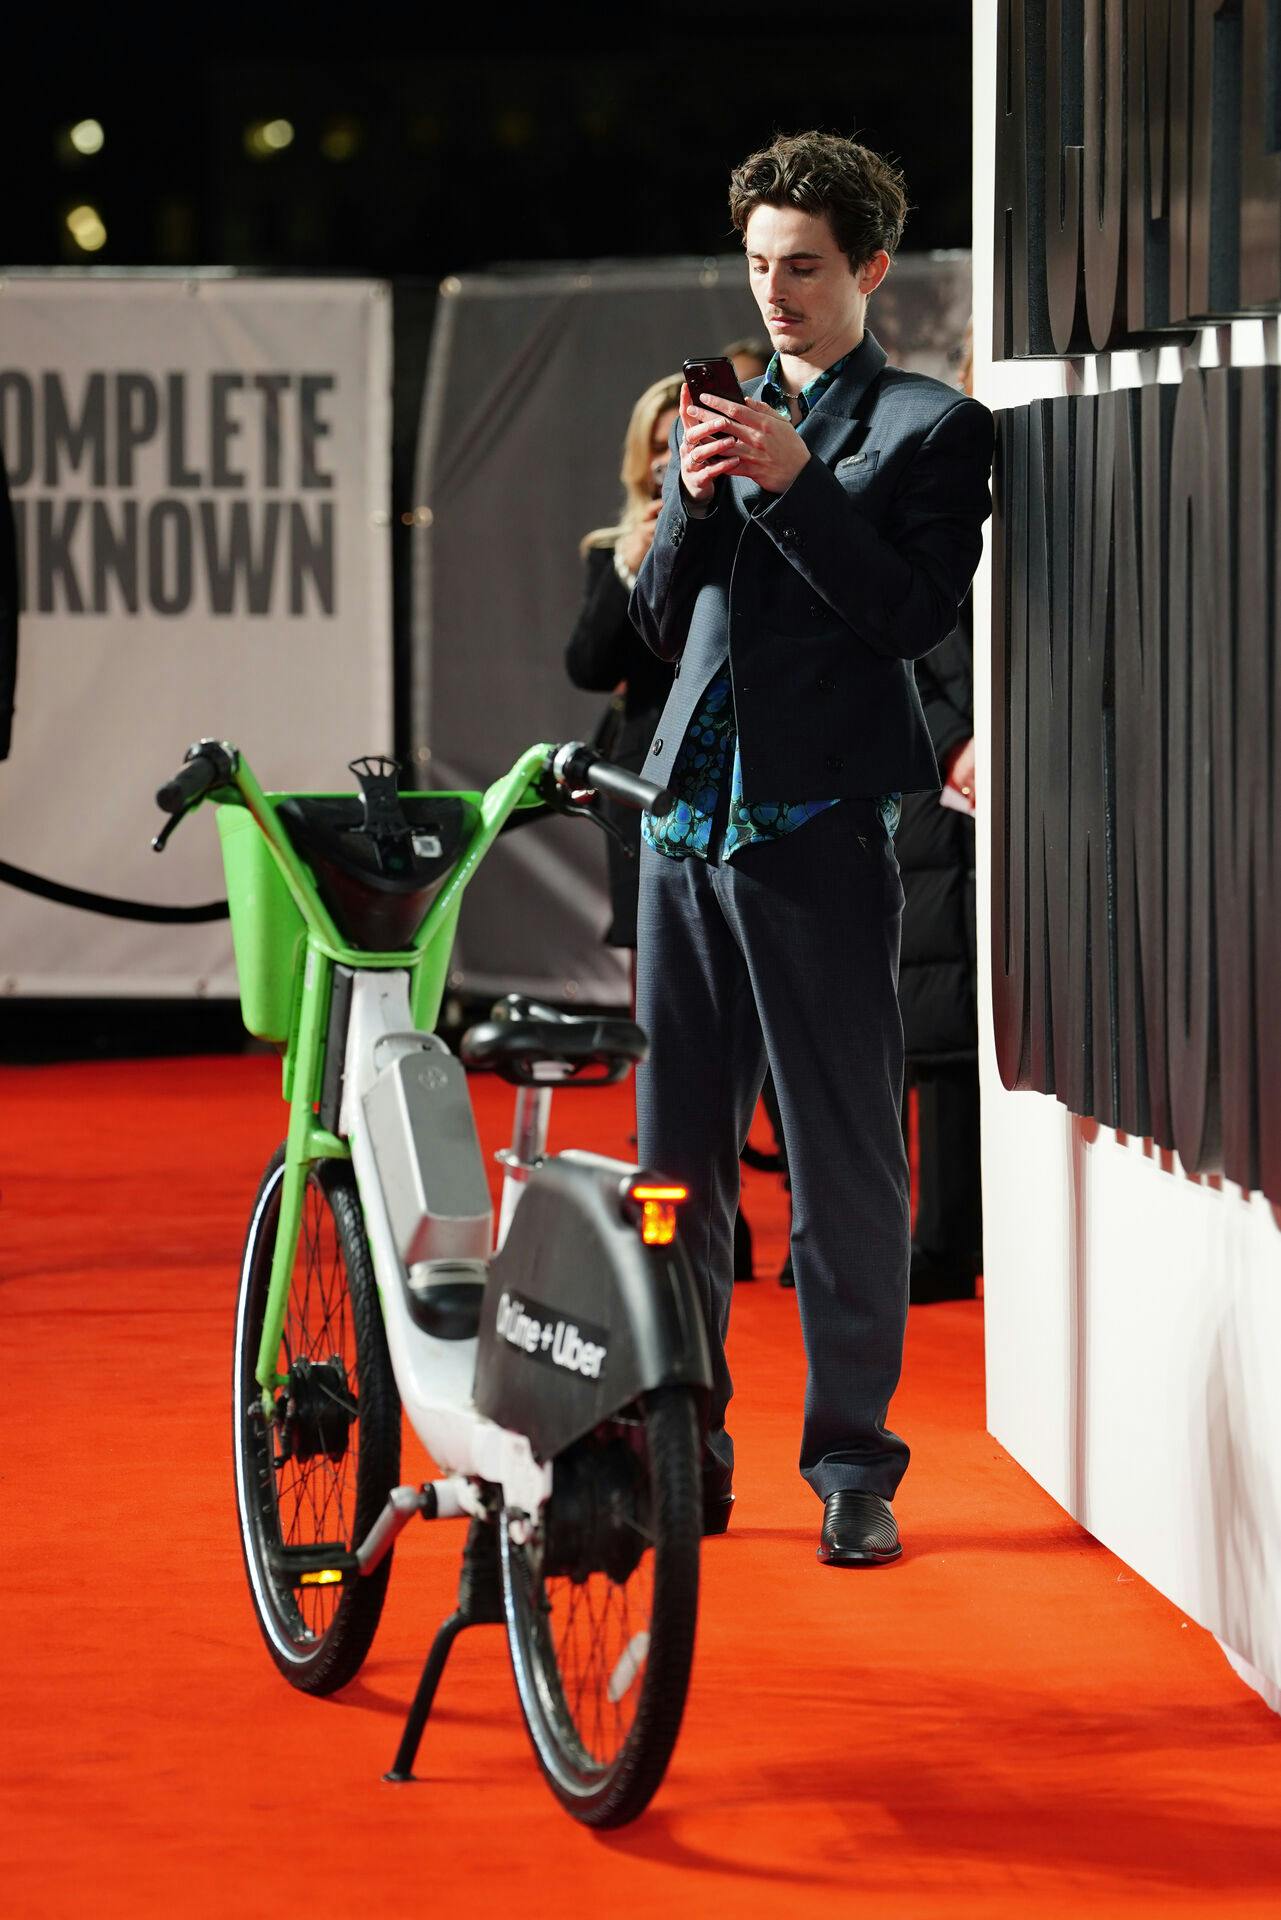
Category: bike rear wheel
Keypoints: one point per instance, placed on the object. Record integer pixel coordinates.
(318, 1471)
(601, 1601)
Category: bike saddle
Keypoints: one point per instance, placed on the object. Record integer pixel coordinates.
(528, 1044)
(380, 857)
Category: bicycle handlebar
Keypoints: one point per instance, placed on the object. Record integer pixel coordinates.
(208, 764)
(574, 765)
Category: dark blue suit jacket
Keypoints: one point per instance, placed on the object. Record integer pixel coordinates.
(822, 596)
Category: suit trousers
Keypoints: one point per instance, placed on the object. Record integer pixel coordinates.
(789, 954)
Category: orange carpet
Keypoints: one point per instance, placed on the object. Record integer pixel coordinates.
(1007, 1723)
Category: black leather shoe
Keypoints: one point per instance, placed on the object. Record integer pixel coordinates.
(859, 1530)
(718, 1499)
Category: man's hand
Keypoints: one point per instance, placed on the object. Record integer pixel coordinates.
(706, 451)
(769, 449)
(639, 541)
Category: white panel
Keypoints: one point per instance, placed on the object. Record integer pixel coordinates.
(1133, 1313)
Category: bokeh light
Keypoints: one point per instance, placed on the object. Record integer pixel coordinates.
(341, 138)
(87, 136)
(85, 225)
(265, 137)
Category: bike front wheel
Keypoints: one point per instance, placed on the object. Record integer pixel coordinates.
(316, 1472)
(601, 1602)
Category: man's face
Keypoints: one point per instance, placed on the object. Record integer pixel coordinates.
(811, 299)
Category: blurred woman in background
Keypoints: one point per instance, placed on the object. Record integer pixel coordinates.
(606, 654)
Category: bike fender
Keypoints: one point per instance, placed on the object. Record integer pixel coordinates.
(579, 1316)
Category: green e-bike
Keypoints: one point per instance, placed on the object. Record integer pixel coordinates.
(557, 1372)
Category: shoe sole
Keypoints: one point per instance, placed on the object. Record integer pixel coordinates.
(858, 1559)
(716, 1517)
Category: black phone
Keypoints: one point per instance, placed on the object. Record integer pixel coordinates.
(716, 376)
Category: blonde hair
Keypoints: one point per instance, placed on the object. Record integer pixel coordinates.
(637, 459)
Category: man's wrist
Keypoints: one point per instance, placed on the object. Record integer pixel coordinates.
(695, 509)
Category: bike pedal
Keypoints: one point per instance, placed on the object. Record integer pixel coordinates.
(318, 1566)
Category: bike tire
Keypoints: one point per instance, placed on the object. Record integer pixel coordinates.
(605, 1767)
(317, 1636)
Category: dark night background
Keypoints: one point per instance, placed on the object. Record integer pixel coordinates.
(418, 151)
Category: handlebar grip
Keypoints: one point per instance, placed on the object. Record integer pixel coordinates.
(207, 765)
(576, 766)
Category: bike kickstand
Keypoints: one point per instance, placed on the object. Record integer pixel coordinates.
(480, 1604)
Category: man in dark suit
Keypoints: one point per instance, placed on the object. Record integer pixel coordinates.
(813, 542)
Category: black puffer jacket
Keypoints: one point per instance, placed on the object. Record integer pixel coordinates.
(935, 848)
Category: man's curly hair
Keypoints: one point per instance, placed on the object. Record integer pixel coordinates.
(862, 194)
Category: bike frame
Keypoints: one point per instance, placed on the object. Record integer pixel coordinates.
(425, 966)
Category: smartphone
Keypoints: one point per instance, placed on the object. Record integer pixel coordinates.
(712, 376)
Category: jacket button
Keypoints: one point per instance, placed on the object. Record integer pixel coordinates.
(789, 533)
(657, 747)
(835, 762)
(816, 606)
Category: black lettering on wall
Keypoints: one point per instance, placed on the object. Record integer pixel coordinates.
(271, 386)
(1143, 427)
(313, 428)
(1137, 763)
(1138, 170)
(137, 417)
(68, 439)
(18, 428)
(1147, 220)
(1260, 218)
(1103, 178)
(117, 436)
(114, 546)
(239, 574)
(169, 573)
(311, 558)
(177, 473)
(1017, 502)
(224, 428)
(57, 588)
(1194, 579)
(1021, 323)
(1064, 132)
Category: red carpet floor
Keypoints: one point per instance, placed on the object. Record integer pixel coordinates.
(1006, 1723)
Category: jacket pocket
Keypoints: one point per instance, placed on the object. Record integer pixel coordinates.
(857, 468)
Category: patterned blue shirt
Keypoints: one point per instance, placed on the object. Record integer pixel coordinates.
(698, 776)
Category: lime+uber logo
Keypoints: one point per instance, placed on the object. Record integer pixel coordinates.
(538, 1331)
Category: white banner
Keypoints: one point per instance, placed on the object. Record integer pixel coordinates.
(200, 471)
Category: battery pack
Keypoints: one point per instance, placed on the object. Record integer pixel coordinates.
(429, 1162)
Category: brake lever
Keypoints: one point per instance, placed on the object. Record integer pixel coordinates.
(161, 840)
(607, 826)
(580, 803)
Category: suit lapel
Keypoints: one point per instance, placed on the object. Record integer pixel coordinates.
(827, 427)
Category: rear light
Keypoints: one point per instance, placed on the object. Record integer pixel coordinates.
(651, 1203)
